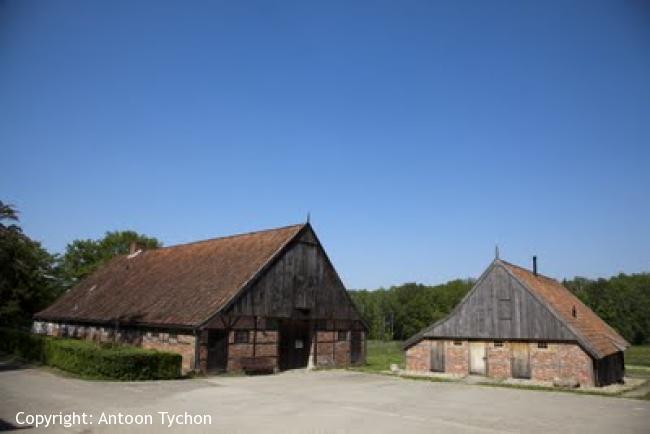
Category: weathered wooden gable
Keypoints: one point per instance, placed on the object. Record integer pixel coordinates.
(301, 282)
(500, 307)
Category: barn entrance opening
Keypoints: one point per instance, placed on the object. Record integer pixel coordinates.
(355, 347)
(520, 360)
(477, 358)
(295, 344)
(217, 350)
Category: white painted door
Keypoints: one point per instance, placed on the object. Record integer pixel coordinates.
(477, 358)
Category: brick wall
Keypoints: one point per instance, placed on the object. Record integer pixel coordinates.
(179, 343)
(457, 357)
(561, 361)
(330, 352)
(266, 347)
(499, 361)
(182, 344)
(418, 357)
(558, 361)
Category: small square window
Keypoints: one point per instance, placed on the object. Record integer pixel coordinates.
(458, 343)
(343, 336)
(271, 324)
(498, 344)
(173, 338)
(542, 345)
(241, 336)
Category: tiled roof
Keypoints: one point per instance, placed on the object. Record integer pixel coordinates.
(594, 333)
(180, 285)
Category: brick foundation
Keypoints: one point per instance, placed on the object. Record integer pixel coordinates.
(182, 344)
(329, 351)
(499, 364)
(559, 361)
(563, 362)
(457, 357)
(326, 349)
(418, 357)
(262, 345)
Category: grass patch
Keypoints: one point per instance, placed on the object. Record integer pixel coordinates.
(381, 355)
(631, 371)
(638, 355)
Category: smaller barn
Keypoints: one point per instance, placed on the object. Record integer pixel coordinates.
(260, 301)
(517, 323)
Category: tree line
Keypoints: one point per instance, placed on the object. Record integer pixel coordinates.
(31, 278)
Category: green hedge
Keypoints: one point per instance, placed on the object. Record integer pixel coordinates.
(88, 359)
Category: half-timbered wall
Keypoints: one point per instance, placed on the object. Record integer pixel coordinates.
(300, 284)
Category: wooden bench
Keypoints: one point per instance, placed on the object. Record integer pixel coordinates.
(258, 365)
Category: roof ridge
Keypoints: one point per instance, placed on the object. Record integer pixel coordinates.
(242, 234)
(529, 272)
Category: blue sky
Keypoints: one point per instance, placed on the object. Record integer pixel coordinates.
(418, 134)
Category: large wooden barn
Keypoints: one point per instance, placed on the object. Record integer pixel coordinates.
(263, 300)
(518, 323)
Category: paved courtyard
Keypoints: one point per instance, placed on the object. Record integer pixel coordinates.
(315, 402)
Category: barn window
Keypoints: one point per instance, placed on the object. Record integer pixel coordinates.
(241, 336)
(458, 343)
(343, 336)
(498, 344)
(574, 312)
(542, 345)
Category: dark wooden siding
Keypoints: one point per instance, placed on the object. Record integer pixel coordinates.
(301, 283)
(610, 369)
(501, 308)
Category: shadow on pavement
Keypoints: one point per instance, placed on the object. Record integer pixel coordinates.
(10, 363)
(6, 426)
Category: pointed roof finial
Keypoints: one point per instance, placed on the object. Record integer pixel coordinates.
(496, 251)
(308, 216)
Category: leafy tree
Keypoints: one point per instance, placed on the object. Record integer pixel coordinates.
(28, 281)
(7, 212)
(401, 311)
(82, 257)
(623, 301)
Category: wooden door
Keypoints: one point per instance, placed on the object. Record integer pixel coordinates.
(477, 358)
(520, 360)
(217, 350)
(295, 344)
(438, 356)
(355, 347)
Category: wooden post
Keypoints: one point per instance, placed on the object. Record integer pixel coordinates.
(334, 339)
(315, 335)
(254, 335)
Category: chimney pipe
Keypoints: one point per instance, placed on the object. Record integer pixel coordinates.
(535, 265)
(133, 246)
